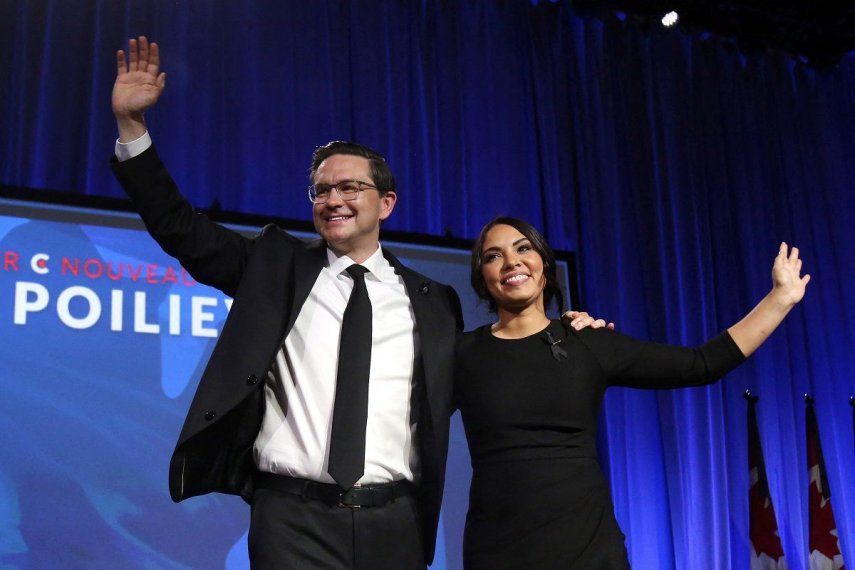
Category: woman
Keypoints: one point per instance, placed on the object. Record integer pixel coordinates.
(529, 391)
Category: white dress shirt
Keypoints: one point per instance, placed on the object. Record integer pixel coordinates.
(300, 387)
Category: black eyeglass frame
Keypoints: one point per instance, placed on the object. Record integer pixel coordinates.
(351, 194)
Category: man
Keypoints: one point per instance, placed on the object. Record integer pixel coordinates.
(341, 472)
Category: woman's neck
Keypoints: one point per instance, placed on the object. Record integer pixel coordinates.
(518, 324)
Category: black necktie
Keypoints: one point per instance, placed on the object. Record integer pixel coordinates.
(350, 411)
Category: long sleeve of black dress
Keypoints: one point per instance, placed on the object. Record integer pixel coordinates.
(638, 364)
(518, 401)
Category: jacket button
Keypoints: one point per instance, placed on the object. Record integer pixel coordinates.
(209, 415)
(424, 288)
(252, 380)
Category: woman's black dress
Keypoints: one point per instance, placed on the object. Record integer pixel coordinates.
(538, 497)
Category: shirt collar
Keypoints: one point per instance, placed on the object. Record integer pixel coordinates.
(375, 263)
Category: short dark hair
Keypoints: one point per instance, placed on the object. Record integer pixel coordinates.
(551, 291)
(380, 173)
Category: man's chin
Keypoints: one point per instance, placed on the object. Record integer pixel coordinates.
(336, 241)
(334, 235)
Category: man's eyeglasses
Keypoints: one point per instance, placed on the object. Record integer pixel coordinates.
(347, 190)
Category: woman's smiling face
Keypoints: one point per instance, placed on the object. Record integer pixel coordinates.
(512, 269)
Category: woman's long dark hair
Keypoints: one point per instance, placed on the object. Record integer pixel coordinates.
(551, 291)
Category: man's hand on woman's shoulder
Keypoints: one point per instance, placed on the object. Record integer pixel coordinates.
(580, 320)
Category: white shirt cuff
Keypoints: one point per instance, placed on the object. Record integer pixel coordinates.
(124, 151)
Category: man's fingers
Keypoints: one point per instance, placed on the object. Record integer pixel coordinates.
(794, 254)
(121, 66)
(143, 62)
(141, 56)
(581, 319)
(154, 60)
(133, 55)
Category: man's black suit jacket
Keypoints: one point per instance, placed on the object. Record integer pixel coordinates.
(269, 277)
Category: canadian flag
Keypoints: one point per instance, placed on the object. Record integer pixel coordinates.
(824, 541)
(766, 551)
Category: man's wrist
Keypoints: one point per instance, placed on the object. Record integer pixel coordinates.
(127, 150)
(131, 127)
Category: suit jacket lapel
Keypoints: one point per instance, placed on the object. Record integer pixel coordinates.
(418, 289)
(308, 264)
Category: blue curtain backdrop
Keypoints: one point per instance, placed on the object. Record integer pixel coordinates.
(672, 163)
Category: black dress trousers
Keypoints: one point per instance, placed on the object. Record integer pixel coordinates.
(289, 532)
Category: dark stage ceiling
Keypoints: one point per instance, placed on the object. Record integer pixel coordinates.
(819, 31)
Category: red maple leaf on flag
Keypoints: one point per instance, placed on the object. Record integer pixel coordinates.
(762, 526)
(824, 542)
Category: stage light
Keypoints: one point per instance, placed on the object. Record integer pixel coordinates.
(670, 19)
